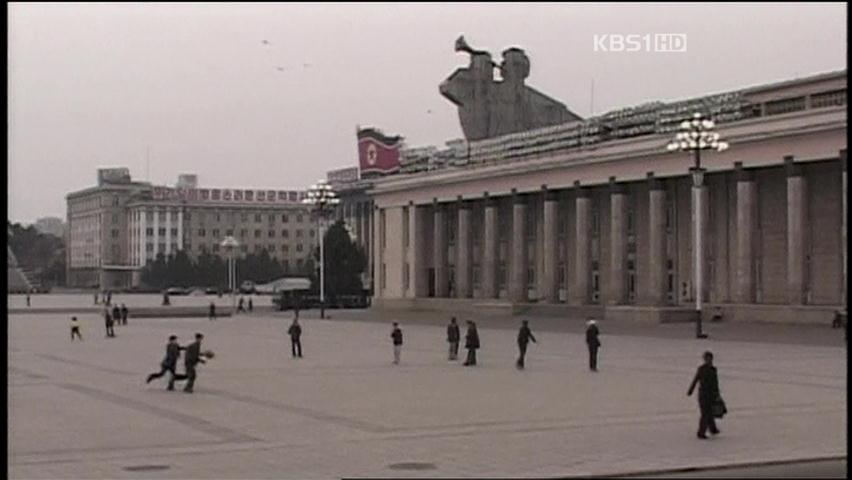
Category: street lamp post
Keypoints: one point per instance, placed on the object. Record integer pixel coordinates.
(695, 135)
(323, 199)
(230, 244)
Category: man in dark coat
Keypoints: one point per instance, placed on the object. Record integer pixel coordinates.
(524, 337)
(593, 343)
(240, 307)
(453, 336)
(116, 314)
(108, 320)
(191, 358)
(251, 305)
(396, 335)
(471, 343)
(169, 363)
(295, 333)
(708, 393)
(211, 315)
(124, 313)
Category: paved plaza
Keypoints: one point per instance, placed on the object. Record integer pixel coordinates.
(83, 410)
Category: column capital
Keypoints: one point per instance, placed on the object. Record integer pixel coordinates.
(654, 183)
(518, 198)
(464, 204)
(792, 169)
(742, 175)
(616, 188)
(580, 191)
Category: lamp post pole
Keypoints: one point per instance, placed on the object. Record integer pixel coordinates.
(695, 135)
(321, 196)
(230, 244)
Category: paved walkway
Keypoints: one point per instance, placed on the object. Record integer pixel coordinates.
(82, 409)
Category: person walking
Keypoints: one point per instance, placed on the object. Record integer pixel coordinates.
(96, 298)
(192, 357)
(295, 332)
(524, 337)
(28, 298)
(251, 305)
(593, 343)
(109, 322)
(240, 307)
(169, 363)
(124, 313)
(708, 393)
(396, 335)
(75, 329)
(471, 343)
(453, 337)
(109, 297)
(211, 314)
(116, 314)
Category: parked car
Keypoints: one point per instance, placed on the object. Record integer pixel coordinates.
(177, 291)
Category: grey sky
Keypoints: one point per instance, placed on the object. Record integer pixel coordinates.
(95, 85)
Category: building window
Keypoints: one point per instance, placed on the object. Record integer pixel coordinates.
(149, 247)
(114, 233)
(299, 218)
(285, 233)
(244, 217)
(114, 218)
(786, 105)
(272, 234)
(115, 201)
(258, 217)
(299, 264)
(531, 276)
(271, 248)
(201, 232)
(257, 234)
(215, 247)
(229, 232)
(243, 233)
(161, 231)
(829, 99)
(299, 247)
(284, 218)
(313, 233)
(298, 234)
(244, 248)
(187, 216)
(271, 218)
(285, 248)
(161, 247)
(218, 217)
(258, 248)
(174, 232)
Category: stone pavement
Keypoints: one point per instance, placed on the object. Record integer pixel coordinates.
(82, 409)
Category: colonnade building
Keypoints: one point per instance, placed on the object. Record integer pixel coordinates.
(595, 216)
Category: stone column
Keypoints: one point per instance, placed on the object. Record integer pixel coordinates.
(518, 280)
(168, 231)
(618, 244)
(744, 288)
(156, 232)
(143, 237)
(440, 255)
(582, 259)
(656, 242)
(180, 229)
(464, 255)
(796, 208)
(417, 266)
(550, 245)
(700, 197)
(843, 169)
(490, 248)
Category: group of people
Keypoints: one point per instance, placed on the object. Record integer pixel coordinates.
(192, 357)
(107, 297)
(472, 343)
(111, 317)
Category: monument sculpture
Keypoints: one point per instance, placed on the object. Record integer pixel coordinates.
(489, 108)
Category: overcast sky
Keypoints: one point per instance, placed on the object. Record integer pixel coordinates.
(97, 85)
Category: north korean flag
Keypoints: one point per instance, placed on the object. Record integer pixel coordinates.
(378, 153)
